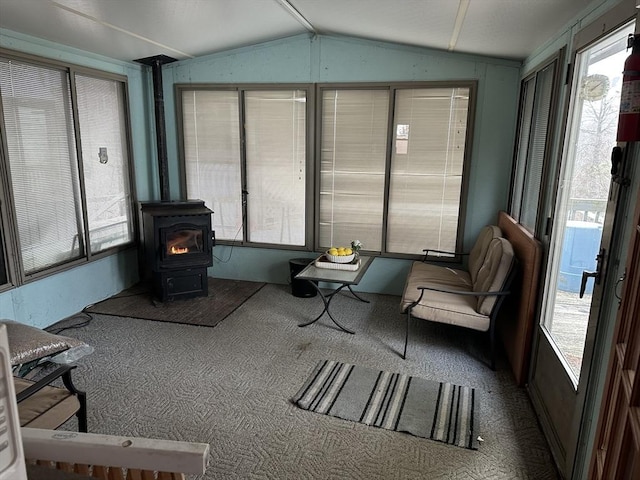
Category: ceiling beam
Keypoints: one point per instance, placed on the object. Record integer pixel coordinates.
(122, 30)
(463, 6)
(297, 15)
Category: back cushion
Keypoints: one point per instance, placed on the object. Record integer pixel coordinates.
(493, 273)
(479, 250)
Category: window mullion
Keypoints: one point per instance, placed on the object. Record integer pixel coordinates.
(243, 165)
(387, 168)
(78, 169)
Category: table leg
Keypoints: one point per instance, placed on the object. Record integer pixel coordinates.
(326, 299)
(356, 295)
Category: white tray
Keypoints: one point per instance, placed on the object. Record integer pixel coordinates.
(322, 262)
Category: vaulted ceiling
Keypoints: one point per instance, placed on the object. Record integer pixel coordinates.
(130, 29)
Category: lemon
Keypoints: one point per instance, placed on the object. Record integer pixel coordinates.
(333, 251)
(348, 251)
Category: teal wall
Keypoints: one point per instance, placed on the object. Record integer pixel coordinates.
(319, 59)
(299, 59)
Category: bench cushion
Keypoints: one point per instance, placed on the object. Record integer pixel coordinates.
(439, 306)
(493, 273)
(479, 250)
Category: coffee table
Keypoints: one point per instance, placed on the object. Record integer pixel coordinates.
(344, 278)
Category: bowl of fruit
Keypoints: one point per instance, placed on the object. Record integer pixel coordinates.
(340, 254)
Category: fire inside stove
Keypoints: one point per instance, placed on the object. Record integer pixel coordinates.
(184, 241)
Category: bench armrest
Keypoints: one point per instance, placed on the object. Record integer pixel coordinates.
(499, 293)
(63, 371)
(428, 251)
(464, 292)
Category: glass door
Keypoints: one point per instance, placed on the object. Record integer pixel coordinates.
(582, 201)
(582, 223)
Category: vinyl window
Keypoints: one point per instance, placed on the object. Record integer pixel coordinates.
(533, 144)
(245, 155)
(392, 165)
(66, 163)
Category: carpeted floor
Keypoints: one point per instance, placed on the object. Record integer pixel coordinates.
(232, 385)
(223, 298)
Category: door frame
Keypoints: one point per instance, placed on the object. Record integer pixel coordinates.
(598, 339)
(622, 388)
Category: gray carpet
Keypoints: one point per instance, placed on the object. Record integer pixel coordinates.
(231, 386)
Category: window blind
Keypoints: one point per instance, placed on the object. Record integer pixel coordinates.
(537, 148)
(352, 166)
(275, 131)
(211, 133)
(526, 117)
(43, 164)
(105, 161)
(426, 169)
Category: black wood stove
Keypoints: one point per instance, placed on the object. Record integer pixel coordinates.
(177, 242)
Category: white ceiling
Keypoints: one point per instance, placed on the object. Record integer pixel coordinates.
(131, 29)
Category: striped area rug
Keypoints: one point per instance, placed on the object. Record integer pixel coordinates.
(439, 411)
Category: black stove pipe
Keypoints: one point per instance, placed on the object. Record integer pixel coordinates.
(156, 63)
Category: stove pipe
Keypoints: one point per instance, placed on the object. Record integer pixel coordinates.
(156, 63)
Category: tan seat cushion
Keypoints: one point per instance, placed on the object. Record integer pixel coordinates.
(438, 306)
(427, 275)
(493, 273)
(479, 250)
(48, 408)
(451, 309)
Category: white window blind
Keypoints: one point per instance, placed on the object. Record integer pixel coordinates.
(275, 130)
(426, 169)
(352, 166)
(522, 146)
(4, 277)
(40, 137)
(531, 145)
(211, 137)
(537, 148)
(105, 161)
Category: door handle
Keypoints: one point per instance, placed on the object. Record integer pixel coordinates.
(596, 275)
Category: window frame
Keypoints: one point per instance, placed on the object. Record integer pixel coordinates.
(522, 165)
(14, 265)
(392, 87)
(241, 88)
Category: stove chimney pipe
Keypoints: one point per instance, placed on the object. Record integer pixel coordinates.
(156, 63)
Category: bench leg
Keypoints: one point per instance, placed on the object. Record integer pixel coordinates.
(492, 342)
(82, 399)
(406, 335)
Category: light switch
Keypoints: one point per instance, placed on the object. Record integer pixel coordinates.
(102, 155)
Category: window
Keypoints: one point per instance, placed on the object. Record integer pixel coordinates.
(4, 278)
(245, 155)
(532, 144)
(352, 166)
(69, 202)
(106, 164)
(392, 162)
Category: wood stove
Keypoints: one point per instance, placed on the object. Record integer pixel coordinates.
(177, 243)
(177, 240)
